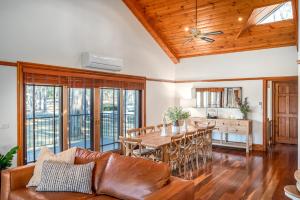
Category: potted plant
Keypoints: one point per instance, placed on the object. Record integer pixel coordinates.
(244, 107)
(6, 160)
(175, 114)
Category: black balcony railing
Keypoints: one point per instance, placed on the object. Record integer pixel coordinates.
(80, 130)
(40, 131)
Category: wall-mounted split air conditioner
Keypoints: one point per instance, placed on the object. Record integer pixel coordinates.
(89, 60)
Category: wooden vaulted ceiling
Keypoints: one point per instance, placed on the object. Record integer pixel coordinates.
(166, 20)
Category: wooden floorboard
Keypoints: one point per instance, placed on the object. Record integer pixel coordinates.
(233, 175)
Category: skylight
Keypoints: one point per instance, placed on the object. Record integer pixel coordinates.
(281, 12)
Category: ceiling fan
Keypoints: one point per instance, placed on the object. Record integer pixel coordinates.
(198, 34)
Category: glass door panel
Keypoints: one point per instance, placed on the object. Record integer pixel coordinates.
(43, 117)
(109, 119)
(131, 99)
(80, 117)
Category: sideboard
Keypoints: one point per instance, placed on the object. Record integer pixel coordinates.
(229, 126)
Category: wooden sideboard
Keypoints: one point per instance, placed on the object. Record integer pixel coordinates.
(230, 126)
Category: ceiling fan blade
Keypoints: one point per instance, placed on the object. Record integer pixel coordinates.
(214, 33)
(207, 39)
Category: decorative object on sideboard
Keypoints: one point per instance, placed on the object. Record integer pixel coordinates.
(174, 114)
(244, 107)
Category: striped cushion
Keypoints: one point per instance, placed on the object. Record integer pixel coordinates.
(65, 177)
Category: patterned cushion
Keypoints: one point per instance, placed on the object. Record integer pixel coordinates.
(65, 177)
(67, 156)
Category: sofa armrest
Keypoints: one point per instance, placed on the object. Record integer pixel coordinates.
(177, 189)
(15, 178)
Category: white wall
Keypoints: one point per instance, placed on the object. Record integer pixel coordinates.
(160, 96)
(57, 31)
(259, 63)
(267, 62)
(8, 108)
(250, 89)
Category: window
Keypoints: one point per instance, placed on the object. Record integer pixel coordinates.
(131, 102)
(43, 119)
(66, 108)
(280, 12)
(80, 118)
(109, 119)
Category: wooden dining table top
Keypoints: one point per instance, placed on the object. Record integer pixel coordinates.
(156, 140)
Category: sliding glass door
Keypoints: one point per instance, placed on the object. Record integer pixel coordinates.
(109, 119)
(80, 117)
(118, 110)
(131, 102)
(43, 117)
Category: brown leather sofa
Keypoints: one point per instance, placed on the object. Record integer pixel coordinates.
(114, 177)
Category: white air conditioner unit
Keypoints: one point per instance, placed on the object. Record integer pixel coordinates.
(89, 60)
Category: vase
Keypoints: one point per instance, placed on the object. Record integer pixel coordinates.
(175, 127)
(185, 126)
(245, 116)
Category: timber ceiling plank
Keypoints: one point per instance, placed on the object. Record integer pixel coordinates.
(166, 21)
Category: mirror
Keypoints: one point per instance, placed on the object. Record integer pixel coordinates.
(233, 95)
(218, 97)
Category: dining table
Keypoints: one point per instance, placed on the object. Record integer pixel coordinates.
(159, 140)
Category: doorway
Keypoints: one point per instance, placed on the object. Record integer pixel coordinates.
(285, 112)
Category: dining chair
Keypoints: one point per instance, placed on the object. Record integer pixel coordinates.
(207, 144)
(146, 130)
(188, 148)
(134, 148)
(133, 132)
(199, 145)
(175, 157)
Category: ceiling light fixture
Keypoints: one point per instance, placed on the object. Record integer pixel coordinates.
(186, 29)
(240, 19)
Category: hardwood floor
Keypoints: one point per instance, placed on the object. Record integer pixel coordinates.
(233, 175)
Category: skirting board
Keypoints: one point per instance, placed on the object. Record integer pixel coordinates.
(257, 147)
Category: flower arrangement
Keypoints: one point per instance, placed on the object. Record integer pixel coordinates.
(176, 113)
(244, 107)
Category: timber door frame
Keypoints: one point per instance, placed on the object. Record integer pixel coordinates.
(274, 107)
(265, 104)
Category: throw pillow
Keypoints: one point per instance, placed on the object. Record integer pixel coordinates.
(65, 177)
(67, 156)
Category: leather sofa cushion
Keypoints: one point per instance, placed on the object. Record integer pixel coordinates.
(132, 178)
(30, 193)
(84, 156)
(103, 197)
